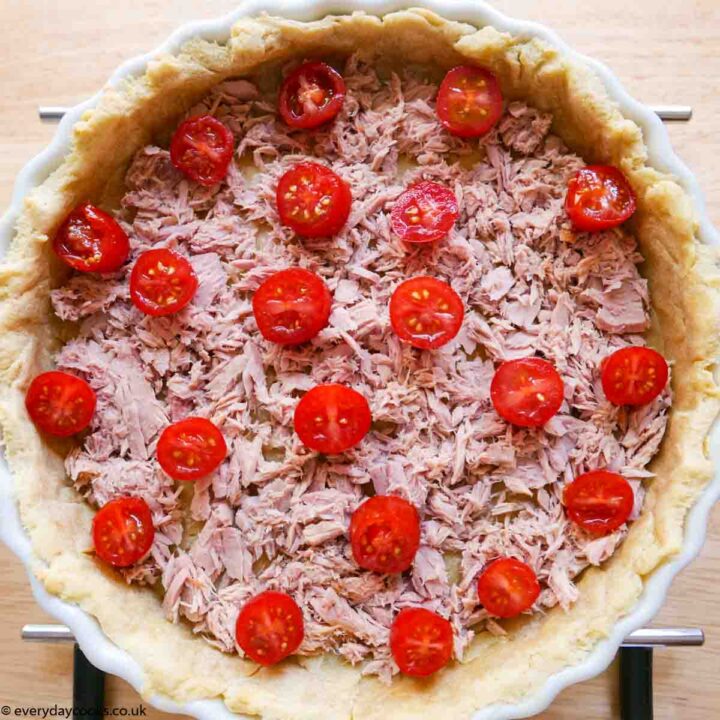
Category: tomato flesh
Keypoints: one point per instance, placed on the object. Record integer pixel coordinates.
(292, 306)
(202, 148)
(123, 531)
(331, 419)
(191, 448)
(311, 95)
(426, 312)
(469, 101)
(634, 376)
(90, 240)
(508, 587)
(421, 642)
(162, 282)
(599, 501)
(526, 392)
(60, 404)
(599, 197)
(312, 200)
(385, 534)
(424, 213)
(270, 627)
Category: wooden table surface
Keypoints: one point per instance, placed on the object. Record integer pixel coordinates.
(59, 52)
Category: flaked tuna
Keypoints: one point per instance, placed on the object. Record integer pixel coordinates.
(275, 515)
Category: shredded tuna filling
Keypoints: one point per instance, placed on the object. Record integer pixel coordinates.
(276, 515)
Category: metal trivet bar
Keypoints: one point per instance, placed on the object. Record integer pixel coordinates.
(54, 113)
(635, 665)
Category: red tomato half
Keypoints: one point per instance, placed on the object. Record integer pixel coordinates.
(508, 587)
(59, 403)
(311, 95)
(123, 531)
(599, 197)
(191, 449)
(634, 376)
(269, 627)
(90, 240)
(312, 200)
(526, 392)
(385, 534)
(425, 212)
(162, 282)
(469, 101)
(292, 306)
(202, 148)
(332, 419)
(599, 501)
(426, 312)
(421, 642)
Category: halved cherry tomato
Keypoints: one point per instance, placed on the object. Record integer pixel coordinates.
(421, 642)
(634, 376)
(202, 148)
(123, 531)
(469, 101)
(312, 200)
(191, 448)
(332, 418)
(59, 403)
(270, 627)
(425, 212)
(385, 534)
(90, 240)
(292, 306)
(599, 197)
(162, 282)
(311, 95)
(599, 501)
(508, 587)
(527, 392)
(426, 312)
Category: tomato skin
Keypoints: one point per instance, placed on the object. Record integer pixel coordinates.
(385, 534)
(526, 392)
(90, 240)
(202, 148)
(312, 200)
(599, 501)
(123, 531)
(421, 642)
(508, 587)
(60, 404)
(424, 213)
(634, 376)
(599, 197)
(162, 282)
(269, 627)
(292, 306)
(311, 95)
(426, 312)
(331, 419)
(469, 101)
(191, 448)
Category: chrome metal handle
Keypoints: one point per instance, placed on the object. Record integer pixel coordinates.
(645, 637)
(665, 637)
(47, 633)
(54, 113)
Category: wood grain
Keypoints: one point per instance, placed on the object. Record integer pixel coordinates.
(62, 51)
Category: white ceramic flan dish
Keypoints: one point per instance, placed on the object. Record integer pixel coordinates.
(104, 653)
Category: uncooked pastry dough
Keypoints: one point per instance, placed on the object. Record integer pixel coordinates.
(685, 295)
